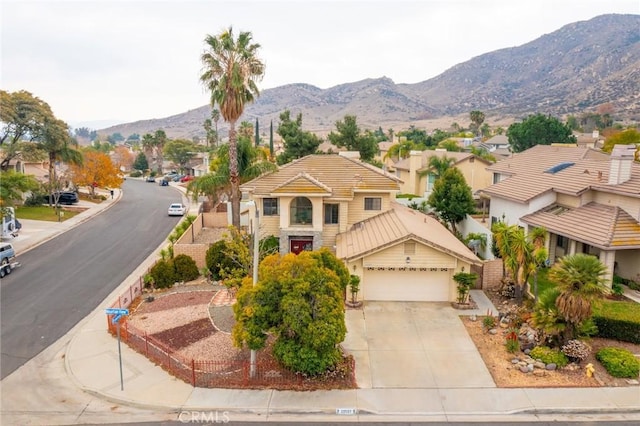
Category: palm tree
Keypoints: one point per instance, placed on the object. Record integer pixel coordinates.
(252, 162)
(580, 279)
(148, 146)
(231, 70)
(159, 141)
(400, 150)
(538, 237)
(56, 142)
(215, 116)
(440, 164)
(477, 117)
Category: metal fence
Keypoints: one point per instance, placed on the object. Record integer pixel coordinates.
(222, 374)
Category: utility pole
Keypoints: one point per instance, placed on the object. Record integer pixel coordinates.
(256, 248)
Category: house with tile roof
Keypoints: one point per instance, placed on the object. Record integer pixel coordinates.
(587, 200)
(339, 202)
(418, 178)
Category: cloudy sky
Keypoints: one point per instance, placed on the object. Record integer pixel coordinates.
(121, 61)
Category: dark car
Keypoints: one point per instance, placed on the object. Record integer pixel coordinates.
(164, 182)
(67, 197)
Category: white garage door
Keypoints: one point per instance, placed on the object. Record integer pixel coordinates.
(417, 286)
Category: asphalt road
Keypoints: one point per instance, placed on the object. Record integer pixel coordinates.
(63, 280)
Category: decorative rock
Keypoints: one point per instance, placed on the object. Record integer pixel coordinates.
(504, 325)
(473, 317)
(539, 364)
(527, 351)
(552, 366)
(515, 361)
(493, 331)
(524, 369)
(540, 373)
(530, 367)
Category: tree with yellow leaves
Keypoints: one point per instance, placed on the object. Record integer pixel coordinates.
(97, 170)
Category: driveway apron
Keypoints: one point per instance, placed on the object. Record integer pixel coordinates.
(413, 345)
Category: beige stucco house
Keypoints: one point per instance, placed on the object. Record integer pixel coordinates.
(587, 200)
(339, 202)
(418, 178)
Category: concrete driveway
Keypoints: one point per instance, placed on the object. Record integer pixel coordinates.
(413, 345)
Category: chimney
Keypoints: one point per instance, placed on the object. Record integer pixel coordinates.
(620, 163)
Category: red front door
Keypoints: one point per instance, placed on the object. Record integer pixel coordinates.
(296, 245)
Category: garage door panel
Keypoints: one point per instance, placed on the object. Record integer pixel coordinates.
(406, 286)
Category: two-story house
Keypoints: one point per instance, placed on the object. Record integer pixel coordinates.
(339, 202)
(587, 200)
(418, 177)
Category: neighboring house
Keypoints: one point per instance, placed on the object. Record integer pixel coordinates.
(588, 201)
(404, 255)
(308, 201)
(589, 140)
(339, 202)
(418, 178)
(387, 162)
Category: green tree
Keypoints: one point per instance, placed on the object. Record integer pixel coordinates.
(141, 162)
(417, 136)
(231, 71)
(13, 185)
(477, 118)
(297, 142)
(299, 301)
(215, 116)
(401, 149)
(581, 280)
(451, 198)
(626, 137)
(349, 136)
(450, 145)
(181, 152)
(159, 141)
(23, 117)
(538, 129)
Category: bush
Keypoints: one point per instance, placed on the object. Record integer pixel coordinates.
(489, 322)
(135, 173)
(163, 274)
(185, 267)
(619, 362)
(268, 246)
(512, 342)
(218, 260)
(618, 320)
(549, 356)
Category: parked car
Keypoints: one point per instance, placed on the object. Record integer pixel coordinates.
(66, 197)
(186, 178)
(177, 178)
(164, 182)
(150, 179)
(177, 209)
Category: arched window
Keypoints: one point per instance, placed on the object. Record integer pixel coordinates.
(301, 211)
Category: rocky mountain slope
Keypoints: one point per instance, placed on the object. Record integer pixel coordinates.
(572, 70)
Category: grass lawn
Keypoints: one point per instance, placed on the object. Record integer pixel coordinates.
(43, 213)
(543, 281)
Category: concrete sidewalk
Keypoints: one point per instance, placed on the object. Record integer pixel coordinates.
(88, 359)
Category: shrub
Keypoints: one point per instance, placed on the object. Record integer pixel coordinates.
(512, 343)
(185, 267)
(576, 350)
(549, 356)
(135, 173)
(489, 322)
(217, 259)
(617, 289)
(619, 362)
(269, 245)
(618, 320)
(163, 274)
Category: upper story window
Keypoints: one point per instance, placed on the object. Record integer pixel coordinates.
(371, 203)
(331, 213)
(270, 206)
(301, 211)
(496, 178)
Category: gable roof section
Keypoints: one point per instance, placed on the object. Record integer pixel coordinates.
(530, 176)
(599, 225)
(394, 226)
(338, 175)
(302, 182)
(458, 157)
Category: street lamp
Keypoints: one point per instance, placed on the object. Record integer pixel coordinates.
(256, 248)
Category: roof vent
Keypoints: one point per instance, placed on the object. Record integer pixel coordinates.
(559, 167)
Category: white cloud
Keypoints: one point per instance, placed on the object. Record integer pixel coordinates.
(125, 60)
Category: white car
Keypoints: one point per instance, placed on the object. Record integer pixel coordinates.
(177, 209)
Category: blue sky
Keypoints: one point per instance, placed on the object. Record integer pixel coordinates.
(121, 61)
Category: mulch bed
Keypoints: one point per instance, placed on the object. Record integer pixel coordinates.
(185, 335)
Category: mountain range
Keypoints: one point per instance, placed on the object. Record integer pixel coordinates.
(573, 70)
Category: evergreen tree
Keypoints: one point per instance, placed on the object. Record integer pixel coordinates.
(141, 162)
(452, 198)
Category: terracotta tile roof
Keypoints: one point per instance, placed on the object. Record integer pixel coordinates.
(398, 224)
(338, 175)
(531, 173)
(599, 225)
(498, 140)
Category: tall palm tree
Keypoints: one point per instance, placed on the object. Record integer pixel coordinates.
(159, 141)
(215, 116)
(148, 146)
(580, 279)
(440, 164)
(56, 142)
(400, 150)
(231, 71)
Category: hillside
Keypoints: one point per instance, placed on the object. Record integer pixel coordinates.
(569, 71)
